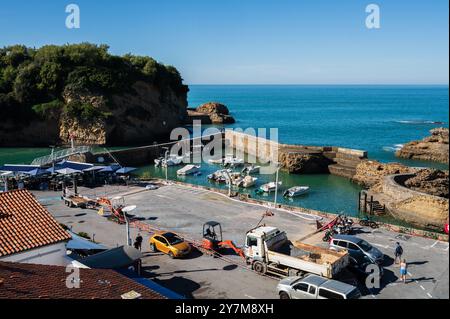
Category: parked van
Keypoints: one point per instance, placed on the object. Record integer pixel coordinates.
(315, 287)
(357, 248)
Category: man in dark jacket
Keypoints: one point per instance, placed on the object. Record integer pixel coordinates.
(398, 253)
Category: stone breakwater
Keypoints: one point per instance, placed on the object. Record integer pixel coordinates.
(417, 196)
(299, 159)
(432, 148)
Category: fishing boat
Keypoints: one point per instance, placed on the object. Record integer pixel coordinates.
(296, 191)
(248, 181)
(251, 169)
(269, 187)
(189, 170)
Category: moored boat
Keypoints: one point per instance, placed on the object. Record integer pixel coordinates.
(251, 169)
(189, 170)
(248, 181)
(269, 187)
(296, 191)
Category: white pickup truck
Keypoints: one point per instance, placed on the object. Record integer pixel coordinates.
(268, 250)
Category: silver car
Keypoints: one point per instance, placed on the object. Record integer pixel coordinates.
(315, 287)
(357, 248)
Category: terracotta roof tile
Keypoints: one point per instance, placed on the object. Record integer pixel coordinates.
(27, 281)
(25, 224)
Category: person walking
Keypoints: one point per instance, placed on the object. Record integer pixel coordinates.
(403, 270)
(138, 242)
(398, 253)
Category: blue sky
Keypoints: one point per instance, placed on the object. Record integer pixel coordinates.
(253, 41)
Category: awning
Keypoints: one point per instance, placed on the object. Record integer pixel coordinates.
(115, 258)
(37, 172)
(67, 171)
(125, 170)
(73, 165)
(110, 169)
(18, 168)
(93, 168)
(80, 243)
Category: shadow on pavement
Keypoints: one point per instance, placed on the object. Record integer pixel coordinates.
(181, 285)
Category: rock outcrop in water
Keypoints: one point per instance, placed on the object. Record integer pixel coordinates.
(432, 148)
(370, 173)
(211, 113)
(418, 196)
(303, 163)
(430, 181)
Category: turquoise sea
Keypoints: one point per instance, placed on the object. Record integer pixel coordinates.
(373, 118)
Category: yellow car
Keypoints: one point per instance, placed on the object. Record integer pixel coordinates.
(170, 244)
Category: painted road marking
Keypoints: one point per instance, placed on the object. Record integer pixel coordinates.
(422, 287)
(163, 196)
(429, 295)
(434, 244)
(380, 245)
(248, 296)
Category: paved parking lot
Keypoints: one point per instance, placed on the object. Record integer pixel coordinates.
(185, 209)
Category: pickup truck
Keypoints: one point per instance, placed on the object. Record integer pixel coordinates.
(316, 287)
(268, 250)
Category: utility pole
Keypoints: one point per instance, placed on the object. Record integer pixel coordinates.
(165, 161)
(276, 187)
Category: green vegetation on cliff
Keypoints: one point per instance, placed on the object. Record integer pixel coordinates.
(33, 82)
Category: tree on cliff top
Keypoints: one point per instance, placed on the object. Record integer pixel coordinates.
(33, 81)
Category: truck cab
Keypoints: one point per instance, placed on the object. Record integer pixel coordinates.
(258, 239)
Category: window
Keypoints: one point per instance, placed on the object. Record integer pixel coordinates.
(365, 245)
(302, 287)
(172, 238)
(352, 246)
(329, 294)
(252, 241)
(161, 240)
(312, 290)
(342, 244)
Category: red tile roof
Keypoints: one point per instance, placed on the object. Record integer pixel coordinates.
(25, 224)
(27, 281)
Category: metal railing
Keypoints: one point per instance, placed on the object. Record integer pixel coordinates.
(59, 155)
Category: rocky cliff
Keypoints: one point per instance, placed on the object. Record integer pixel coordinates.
(52, 94)
(432, 148)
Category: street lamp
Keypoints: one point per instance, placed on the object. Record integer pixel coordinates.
(165, 160)
(276, 187)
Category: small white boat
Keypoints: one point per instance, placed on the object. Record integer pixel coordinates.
(158, 161)
(232, 161)
(248, 181)
(251, 169)
(296, 191)
(215, 161)
(189, 170)
(269, 187)
(173, 160)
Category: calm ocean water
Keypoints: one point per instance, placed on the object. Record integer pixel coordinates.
(373, 118)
